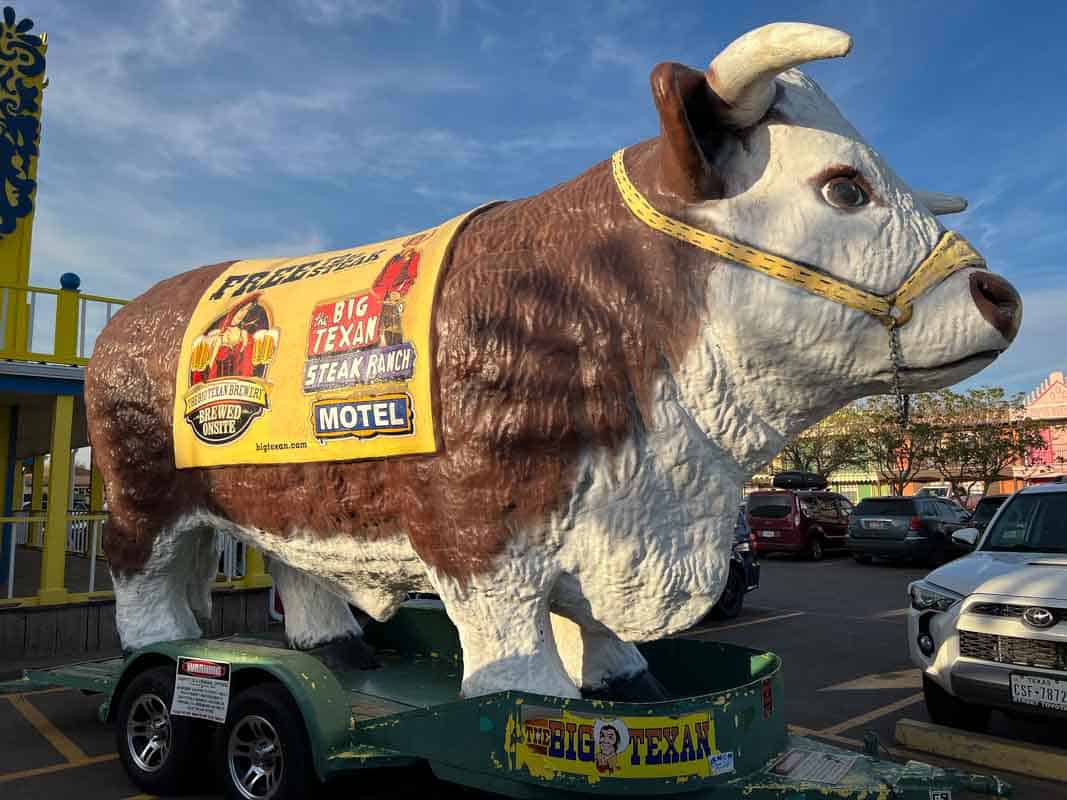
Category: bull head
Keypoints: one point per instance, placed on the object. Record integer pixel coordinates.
(754, 151)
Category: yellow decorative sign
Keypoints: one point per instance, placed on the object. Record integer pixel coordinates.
(554, 741)
(321, 358)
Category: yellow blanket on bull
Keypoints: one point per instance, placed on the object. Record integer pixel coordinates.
(320, 358)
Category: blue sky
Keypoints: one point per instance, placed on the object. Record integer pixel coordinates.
(184, 132)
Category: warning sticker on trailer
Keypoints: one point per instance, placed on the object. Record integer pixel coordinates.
(201, 689)
(808, 766)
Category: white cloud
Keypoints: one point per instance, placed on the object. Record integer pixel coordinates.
(331, 12)
(447, 13)
(607, 51)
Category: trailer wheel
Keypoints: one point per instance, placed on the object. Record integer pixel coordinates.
(264, 747)
(156, 749)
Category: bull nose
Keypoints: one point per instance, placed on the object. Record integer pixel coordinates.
(998, 301)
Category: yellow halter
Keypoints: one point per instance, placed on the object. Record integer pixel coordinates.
(951, 254)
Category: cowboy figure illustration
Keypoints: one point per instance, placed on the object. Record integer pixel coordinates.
(390, 287)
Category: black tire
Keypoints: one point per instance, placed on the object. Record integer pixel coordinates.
(862, 558)
(265, 730)
(815, 549)
(944, 709)
(733, 595)
(160, 752)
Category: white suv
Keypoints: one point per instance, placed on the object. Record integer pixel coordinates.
(989, 630)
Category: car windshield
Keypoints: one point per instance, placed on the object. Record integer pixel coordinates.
(1032, 523)
(770, 506)
(986, 509)
(900, 507)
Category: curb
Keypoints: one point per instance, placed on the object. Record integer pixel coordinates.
(993, 752)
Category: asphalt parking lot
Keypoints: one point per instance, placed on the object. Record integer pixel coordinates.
(838, 626)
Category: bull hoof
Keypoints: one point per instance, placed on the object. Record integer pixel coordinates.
(346, 653)
(640, 688)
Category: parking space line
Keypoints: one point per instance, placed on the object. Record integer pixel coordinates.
(716, 628)
(44, 726)
(7, 777)
(910, 678)
(898, 612)
(863, 719)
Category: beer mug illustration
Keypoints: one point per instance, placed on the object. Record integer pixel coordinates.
(264, 346)
(205, 348)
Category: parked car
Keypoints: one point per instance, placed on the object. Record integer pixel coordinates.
(799, 521)
(989, 630)
(945, 493)
(963, 515)
(933, 491)
(915, 528)
(986, 508)
(744, 570)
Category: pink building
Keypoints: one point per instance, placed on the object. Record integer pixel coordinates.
(1048, 401)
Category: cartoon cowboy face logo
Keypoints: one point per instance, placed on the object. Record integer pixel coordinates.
(611, 739)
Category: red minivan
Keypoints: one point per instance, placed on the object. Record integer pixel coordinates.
(796, 521)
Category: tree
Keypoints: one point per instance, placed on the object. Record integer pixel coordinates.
(897, 454)
(828, 446)
(980, 433)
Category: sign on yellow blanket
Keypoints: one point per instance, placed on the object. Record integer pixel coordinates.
(321, 358)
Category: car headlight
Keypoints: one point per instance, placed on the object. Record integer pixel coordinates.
(928, 597)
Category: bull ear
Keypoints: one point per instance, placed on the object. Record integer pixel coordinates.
(688, 132)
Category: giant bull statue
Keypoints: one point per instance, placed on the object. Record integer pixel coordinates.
(615, 357)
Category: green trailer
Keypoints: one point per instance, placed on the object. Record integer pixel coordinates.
(274, 721)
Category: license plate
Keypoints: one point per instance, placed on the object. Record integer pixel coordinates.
(876, 524)
(768, 534)
(1032, 690)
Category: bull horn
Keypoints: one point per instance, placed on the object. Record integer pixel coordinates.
(939, 204)
(742, 75)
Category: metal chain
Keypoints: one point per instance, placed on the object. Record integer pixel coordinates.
(897, 359)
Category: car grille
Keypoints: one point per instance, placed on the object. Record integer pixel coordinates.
(1011, 650)
(1012, 612)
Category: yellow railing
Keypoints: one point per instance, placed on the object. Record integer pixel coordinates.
(32, 330)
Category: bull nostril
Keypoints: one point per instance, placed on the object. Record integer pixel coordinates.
(998, 301)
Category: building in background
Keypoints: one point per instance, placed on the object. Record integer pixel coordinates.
(1046, 402)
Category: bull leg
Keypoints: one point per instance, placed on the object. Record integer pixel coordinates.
(506, 635)
(318, 621)
(602, 665)
(152, 603)
(313, 616)
(202, 575)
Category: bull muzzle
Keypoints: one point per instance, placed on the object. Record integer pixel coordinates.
(999, 303)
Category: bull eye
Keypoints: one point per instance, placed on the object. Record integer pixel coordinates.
(844, 192)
